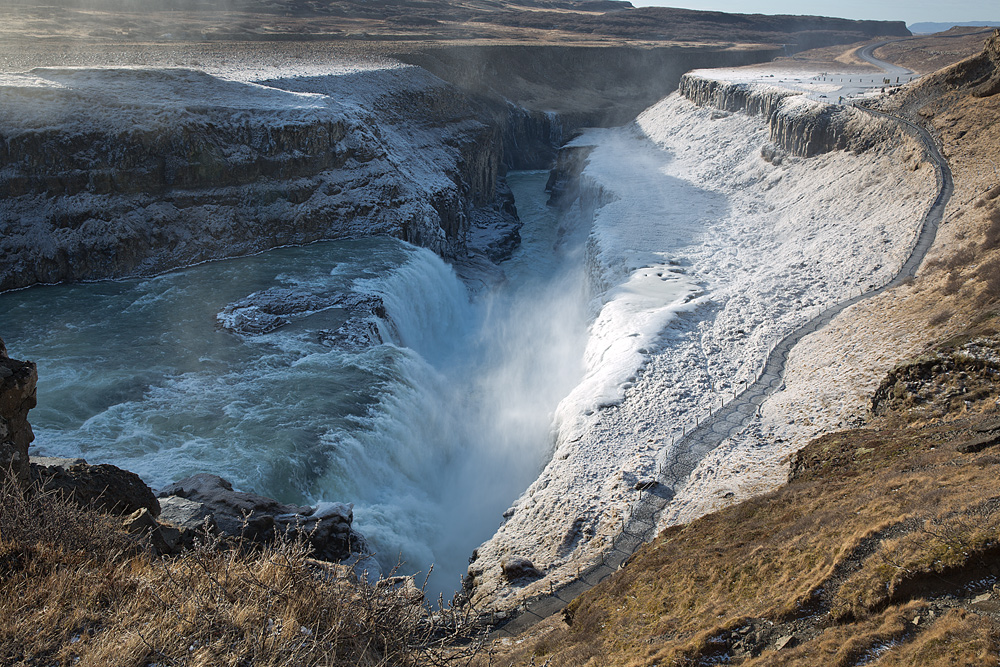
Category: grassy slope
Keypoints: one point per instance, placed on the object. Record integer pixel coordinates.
(881, 548)
(75, 589)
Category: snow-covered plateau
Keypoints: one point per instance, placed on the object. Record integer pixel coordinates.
(113, 172)
(711, 240)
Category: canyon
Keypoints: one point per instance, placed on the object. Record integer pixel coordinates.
(135, 169)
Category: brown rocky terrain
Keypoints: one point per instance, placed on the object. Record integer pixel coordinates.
(930, 53)
(421, 21)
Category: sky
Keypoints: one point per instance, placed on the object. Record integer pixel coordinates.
(910, 11)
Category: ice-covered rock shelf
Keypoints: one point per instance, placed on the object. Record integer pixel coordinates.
(796, 124)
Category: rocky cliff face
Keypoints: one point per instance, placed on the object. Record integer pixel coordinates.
(726, 96)
(110, 173)
(797, 125)
(17, 396)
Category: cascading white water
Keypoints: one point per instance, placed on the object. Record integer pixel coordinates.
(431, 434)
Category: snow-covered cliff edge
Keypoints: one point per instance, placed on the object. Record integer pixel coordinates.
(796, 124)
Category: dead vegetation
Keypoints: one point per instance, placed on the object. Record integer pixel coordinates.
(883, 545)
(75, 589)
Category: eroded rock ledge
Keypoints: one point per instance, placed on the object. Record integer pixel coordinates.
(17, 396)
(798, 125)
(115, 173)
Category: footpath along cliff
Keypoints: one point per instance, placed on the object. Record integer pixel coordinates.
(875, 543)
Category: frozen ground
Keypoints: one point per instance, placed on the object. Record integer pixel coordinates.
(371, 148)
(704, 255)
(820, 85)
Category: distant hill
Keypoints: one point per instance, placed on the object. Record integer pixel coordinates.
(421, 20)
(929, 28)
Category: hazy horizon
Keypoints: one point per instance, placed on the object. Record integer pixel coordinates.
(918, 11)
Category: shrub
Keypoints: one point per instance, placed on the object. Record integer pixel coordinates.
(992, 236)
(962, 257)
(989, 274)
(953, 284)
(941, 317)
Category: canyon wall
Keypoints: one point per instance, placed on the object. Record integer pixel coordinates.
(584, 85)
(797, 125)
(111, 173)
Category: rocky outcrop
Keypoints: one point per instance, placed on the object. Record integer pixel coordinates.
(103, 487)
(17, 397)
(208, 500)
(563, 185)
(981, 73)
(725, 96)
(265, 311)
(162, 539)
(516, 568)
(943, 383)
(797, 125)
(531, 139)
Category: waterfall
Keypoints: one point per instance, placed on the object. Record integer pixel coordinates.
(432, 434)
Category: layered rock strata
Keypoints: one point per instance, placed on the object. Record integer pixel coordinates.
(112, 173)
(796, 124)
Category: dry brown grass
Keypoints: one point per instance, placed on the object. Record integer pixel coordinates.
(843, 557)
(849, 645)
(945, 552)
(975, 634)
(76, 590)
(931, 53)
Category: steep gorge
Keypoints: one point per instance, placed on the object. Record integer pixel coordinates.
(109, 173)
(403, 156)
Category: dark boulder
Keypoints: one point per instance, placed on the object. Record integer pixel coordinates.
(257, 518)
(104, 487)
(516, 567)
